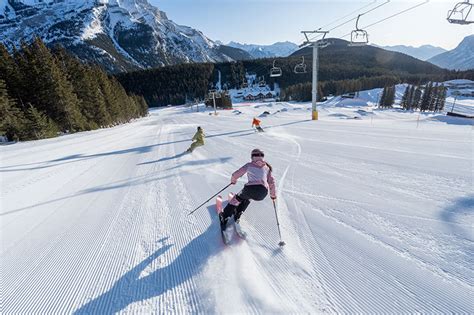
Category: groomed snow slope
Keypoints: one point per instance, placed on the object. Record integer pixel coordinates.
(377, 214)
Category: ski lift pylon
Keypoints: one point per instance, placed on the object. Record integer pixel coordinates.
(460, 13)
(275, 71)
(300, 67)
(359, 37)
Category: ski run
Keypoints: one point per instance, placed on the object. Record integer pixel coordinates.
(375, 206)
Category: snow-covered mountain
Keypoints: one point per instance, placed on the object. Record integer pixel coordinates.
(118, 34)
(280, 49)
(424, 52)
(460, 58)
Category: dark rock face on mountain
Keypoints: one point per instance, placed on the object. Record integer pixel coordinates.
(120, 35)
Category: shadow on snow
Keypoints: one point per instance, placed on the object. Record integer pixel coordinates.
(131, 288)
(136, 150)
(140, 180)
(460, 207)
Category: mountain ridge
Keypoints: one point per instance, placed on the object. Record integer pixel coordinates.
(460, 58)
(278, 49)
(121, 35)
(423, 52)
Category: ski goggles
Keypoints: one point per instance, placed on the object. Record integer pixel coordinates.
(258, 155)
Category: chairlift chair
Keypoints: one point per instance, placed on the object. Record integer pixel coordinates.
(275, 71)
(460, 13)
(323, 42)
(262, 82)
(359, 37)
(244, 83)
(301, 67)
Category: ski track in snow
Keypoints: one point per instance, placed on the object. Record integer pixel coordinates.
(376, 214)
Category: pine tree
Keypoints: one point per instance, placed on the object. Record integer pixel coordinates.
(341, 88)
(417, 98)
(425, 100)
(441, 98)
(405, 98)
(55, 92)
(111, 98)
(388, 96)
(39, 126)
(9, 73)
(91, 101)
(52, 92)
(142, 105)
(383, 97)
(11, 118)
(434, 97)
(411, 97)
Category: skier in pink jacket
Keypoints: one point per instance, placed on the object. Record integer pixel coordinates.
(260, 181)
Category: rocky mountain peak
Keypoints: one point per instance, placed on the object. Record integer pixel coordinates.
(118, 34)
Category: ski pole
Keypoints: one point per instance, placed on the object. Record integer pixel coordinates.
(281, 243)
(210, 198)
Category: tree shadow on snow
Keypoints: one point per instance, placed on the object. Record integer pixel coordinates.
(460, 207)
(80, 157)
(451, 120)
(164, 159)
(131, 288)
(129, 182)
(135, 150)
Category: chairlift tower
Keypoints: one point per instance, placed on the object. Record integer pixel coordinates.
(316, 44)
(213, 94)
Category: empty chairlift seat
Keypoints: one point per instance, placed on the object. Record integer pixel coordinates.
(461, 13)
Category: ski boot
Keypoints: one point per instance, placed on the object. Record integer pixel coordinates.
(223, 221)
(238, 229)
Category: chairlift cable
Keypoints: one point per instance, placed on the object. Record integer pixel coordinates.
(361, 14)
(338, 19)
(389, 17)
(342, 24)
(354, 18)
(262, 67)
(401, 12)
(375, 8)
(349, 14)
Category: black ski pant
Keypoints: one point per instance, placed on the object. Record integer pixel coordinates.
(250, 192)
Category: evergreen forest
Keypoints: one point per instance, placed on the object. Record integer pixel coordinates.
(47, 92)
(342, 69)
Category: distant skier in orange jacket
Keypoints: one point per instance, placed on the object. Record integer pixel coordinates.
(256, 123)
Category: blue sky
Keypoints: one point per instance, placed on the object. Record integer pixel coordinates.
(269, 21)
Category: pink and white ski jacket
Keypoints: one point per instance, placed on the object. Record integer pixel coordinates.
(258, 173)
